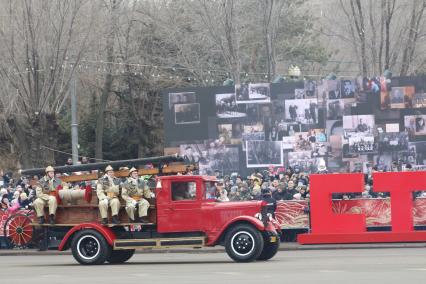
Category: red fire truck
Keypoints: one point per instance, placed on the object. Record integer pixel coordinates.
(194, 220)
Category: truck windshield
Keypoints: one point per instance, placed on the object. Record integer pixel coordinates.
(210, 190)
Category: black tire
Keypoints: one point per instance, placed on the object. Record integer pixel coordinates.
(120, 256)
(89, 247)
(269, 250)
(244, 243)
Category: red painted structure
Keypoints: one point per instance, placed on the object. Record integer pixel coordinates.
(329, 227)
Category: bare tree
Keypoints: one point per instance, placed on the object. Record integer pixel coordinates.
(36, 43)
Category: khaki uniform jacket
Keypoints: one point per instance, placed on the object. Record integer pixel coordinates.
(135, 189)
(107, 188)
(46, 186)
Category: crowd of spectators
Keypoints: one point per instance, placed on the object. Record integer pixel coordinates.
(280, 183)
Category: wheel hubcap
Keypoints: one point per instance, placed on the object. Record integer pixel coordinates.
(88, 247)
(243, 243)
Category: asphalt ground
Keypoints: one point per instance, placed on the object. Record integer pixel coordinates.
(362, 265)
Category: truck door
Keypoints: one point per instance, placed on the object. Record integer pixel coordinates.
(180, 210)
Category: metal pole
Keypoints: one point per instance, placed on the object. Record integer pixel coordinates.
(74, 125)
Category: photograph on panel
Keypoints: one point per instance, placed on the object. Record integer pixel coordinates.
(333, 89)
(415, 124)
(181, 98)
(226, 107)
(253, 93)
(310, 88)
(358, 134)
(264, 153)
(302, 111)
(347, 88)
(187, 113)
(397, 97)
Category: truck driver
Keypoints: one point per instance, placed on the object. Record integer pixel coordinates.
(107, 190)
(46, 192)
(134, 192)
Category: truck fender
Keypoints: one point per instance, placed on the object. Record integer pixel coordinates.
(106, 232)
(216, 236)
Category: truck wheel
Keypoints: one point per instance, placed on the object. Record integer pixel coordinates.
(90, 247)
(120, 256)
(243, 243)
(269, 250)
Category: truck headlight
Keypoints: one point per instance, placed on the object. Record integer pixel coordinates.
(258, 216)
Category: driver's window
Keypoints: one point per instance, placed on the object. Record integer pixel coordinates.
(210, 190)
(184, 190)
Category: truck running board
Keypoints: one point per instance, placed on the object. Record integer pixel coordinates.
(160, 243)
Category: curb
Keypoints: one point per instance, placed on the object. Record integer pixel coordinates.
(284, 247)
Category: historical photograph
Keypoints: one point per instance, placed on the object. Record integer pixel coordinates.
(225, 132)
(335, 109)
(419, 100)
(288, 142)
(398, 97)
(264, 154)
(187, 113)
(212, 155)
(302, 111)
(347, 89)
(319, 149)
(359, 123)
(361, 143)
(419, 148)
(304, 161)
(253, 93)
(226, 107)
(302, 142)
(260, 93)
(393, 142)
(299, 94)
(310, 88)
(415, 124)
(333, 90)
(181, 98)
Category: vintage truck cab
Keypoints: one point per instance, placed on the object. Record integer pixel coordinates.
(185, 214)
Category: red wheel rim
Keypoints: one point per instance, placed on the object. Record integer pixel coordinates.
(20, 230)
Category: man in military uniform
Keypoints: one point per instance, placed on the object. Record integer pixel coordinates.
(133, 192)
(46, 192)
(108, 190)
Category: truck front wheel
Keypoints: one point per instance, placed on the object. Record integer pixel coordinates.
(243, 243)
(269, 249)
(90, 247)
(120, 256)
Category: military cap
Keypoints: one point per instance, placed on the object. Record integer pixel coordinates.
(132, 170)
(50, 169)
(108, 168)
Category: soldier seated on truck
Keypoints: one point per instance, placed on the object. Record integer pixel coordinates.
(107, 190)
(133, 192)
(46, 192)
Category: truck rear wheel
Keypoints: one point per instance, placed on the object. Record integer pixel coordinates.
(269, 250)
(243, 243)
(90, 247)
(120, 256)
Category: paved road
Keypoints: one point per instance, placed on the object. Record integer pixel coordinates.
(401, 265)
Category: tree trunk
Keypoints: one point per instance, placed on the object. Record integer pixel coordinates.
(107, 85)
(35, 142)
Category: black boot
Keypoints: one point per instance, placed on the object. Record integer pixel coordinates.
(41, 220)
(104, 221)
(144, 219)
(52, 219)
(115, 219)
